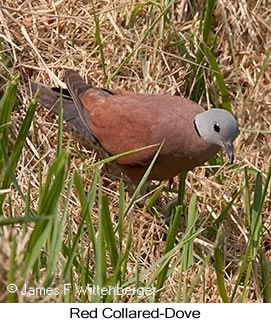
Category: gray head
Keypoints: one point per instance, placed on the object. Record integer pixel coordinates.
(219, 127)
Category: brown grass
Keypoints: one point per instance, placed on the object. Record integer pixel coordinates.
(41, 38)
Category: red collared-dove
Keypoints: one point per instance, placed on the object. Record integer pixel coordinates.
(123, 121)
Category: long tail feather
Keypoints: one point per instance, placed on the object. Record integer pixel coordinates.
(50, 98)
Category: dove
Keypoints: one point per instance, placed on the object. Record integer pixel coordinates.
(120, 121)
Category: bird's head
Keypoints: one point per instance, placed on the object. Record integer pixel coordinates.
(219, 127)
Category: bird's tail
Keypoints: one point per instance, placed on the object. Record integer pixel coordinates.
(50, 98)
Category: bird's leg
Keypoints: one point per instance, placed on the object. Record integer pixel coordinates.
(149, 195)
(167, 210)
(146, 188)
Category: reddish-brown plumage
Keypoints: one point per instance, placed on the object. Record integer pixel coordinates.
(124, 121)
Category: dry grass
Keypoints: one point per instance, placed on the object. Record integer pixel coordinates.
(41, 38)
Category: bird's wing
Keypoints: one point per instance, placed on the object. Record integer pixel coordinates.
(119, 122)
(128, 121)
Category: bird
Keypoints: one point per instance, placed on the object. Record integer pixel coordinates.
(121, 121)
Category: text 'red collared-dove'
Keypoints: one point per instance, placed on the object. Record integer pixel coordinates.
(122, 121)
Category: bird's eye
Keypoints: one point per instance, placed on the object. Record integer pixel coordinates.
(216, 127)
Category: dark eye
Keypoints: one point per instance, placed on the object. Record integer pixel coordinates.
(216, 127)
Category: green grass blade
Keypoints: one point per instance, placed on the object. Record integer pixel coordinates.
(49, 201)
(266, 279)
(262, 70)
(136, 10)
(230, 37)
(219, 268)
(162, 262)
(12, 297)
(255, 230)
(187, 255)
(247, 197)
(109, 231)
(6, 106)
(87, 211)
(115, 157)
(207, 20)
(126, 253)
(85, 265)
(171, 238)
(248, 273)
(181, 188)
(100, 257)
(155, 196)
(4, 125)
(86, 204)
(121, 214)
(98, 40)
(127, 59)
(54, 183)
(8, 173)
(206, 23)
(22, 220)
(56, 240)
(142, 181)
(226, 103)
(9, 164)
(20, 141)
(256, 216)
(27, 209)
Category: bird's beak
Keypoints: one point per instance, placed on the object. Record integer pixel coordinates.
(229, 150)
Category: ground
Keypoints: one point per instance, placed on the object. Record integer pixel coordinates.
(147, 49)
